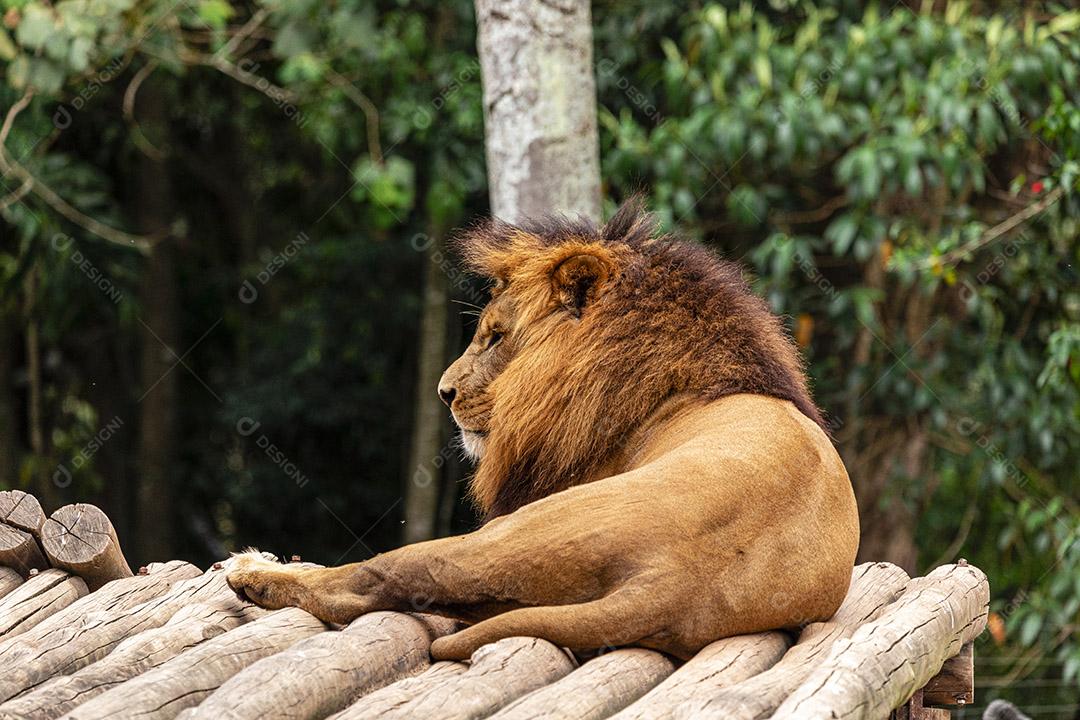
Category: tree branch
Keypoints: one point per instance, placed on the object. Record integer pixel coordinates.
(371, 113)
(957, 254)
(142, 243)
(137, 135)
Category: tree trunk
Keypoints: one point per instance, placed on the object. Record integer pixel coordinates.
(539, 107)
(426, 455)
(159, 337)
(9, 414)
(42, 481)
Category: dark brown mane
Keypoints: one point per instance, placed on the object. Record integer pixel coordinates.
(674, 319)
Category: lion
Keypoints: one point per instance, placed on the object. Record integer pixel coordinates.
(650, 464)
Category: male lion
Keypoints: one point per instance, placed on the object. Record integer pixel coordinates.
(651, 465)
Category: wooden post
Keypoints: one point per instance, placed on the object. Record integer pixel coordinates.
(80, 538)
(915, 709)
(955, 684)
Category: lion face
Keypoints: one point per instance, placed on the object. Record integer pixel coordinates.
(465, 387)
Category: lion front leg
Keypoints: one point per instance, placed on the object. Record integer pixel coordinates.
(337, 595)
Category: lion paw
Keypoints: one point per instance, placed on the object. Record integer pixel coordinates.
(264, 582)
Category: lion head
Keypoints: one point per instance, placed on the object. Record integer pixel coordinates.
(588, 331)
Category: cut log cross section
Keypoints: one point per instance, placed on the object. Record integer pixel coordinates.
(21, 519)
(79, 538)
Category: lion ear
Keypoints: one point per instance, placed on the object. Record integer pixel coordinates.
(579, 279)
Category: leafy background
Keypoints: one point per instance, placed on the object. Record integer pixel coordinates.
(900, 177)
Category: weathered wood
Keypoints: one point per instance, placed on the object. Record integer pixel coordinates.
(915, 709)
(400, 692)
(89, 628)
(20, 551)
(9, 580)
(955, 684)
(873, 587)
(36, 599)
(327, 672)
(22, 511)
(219, 611)
(21, 519)
(79, 538)
(498, 674)
(187, 679)
(887, 660)
(597, 689)
(723, 663)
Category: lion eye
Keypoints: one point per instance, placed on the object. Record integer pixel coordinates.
(494, 339)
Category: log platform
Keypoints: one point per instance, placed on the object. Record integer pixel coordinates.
(82, 637)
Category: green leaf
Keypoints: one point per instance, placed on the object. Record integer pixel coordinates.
(1030, 629)
(215, 13)
(79, 54)
(841, 233)
(8, 51)
(35, 27)
(293, 38)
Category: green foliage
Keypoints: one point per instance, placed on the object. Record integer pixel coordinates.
(861, 161)
(873, 165)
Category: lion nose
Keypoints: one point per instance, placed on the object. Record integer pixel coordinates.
(447, 394)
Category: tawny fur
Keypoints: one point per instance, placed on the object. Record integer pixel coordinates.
(651, 463)
(670, 318)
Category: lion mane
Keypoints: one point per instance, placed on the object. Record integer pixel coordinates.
(665, 317)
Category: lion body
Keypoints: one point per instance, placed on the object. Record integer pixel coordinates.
(652, 466)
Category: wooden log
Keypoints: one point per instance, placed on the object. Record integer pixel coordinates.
(21, 511)
(20, 551)
(398, 693)
(498, 674)
(216, 612)
(9, 580)
(598, 689)
(187, 679)
(36, 599)
(79, 538)
(955, 684)
(88, 629)
(327, 672)
(873, 587)
(722, 663)
(887, 660)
